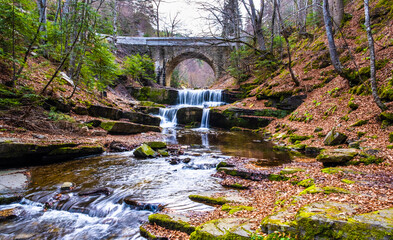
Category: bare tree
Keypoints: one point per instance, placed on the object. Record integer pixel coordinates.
(336, 8)
(157, 4)
(370, 38)
(172, 24)
(286, 32)
(256, 21)
(330, 36)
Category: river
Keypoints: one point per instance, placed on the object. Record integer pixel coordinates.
(149, 181)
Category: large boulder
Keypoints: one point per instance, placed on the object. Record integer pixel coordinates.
(125, 128)
(141, 118)
(334, 138)
(224, 228)
(144, 151)
(189, 115)
(332, 157)
(291, 103)
(104, 112)
(65, 153)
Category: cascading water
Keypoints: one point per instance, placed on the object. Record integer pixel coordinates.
(195, 98)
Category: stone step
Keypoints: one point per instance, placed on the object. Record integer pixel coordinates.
(127, 128)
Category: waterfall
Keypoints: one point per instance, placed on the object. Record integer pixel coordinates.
(192, 98)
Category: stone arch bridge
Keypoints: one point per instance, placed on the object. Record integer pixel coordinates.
(168, 52)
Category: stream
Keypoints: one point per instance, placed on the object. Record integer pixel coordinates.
(149, 181)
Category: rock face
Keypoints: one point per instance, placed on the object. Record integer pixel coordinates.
(126, 128)
(225, 228)
(245, 118)
(334, 138)
(141, 118)
(330, 220)
(104, 112)
(157, 95)
(144, 151)
(332, 157)
(291, 103)
(24, 154)
(189, 115)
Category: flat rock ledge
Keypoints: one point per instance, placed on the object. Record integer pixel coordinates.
(26, 154)
(224, 228)
(331, 220)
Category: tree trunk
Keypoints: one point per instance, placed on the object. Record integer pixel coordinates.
(329, 33)
(317, 14)
(115, 12)
(374, 87)
(336, 8)
(272, 26)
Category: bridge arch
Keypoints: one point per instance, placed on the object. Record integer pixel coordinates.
(172, 63)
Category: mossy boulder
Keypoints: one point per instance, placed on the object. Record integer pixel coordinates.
(172, 222)
(334, 138)
(223, 229)
(144, 151)
(189, 115)
(340, 156)
(126, 128)
(224, 164)
(157, 145)
(208, 200)
(332, 220)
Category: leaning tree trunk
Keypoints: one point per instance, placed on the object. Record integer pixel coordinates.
(329, 33)
(373, 82)
(336, 8)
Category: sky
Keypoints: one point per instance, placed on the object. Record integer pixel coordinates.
(191, 17)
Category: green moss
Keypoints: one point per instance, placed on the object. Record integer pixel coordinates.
(156, 145)
(367, 160)
(333, 170)
(329, 190)
(306, 183)
(277, 177)
(359, 123)
(391, 137)
(8, 103)
(223, 164)
(233, 209)
(389, 146)
(272, 113)
(291, 170)
(318, 129)
(347, 181)
(168, 222)
(360, 134)
(208, 200)
(293, 138)
(311, 190)
(146, 234)
(237, 186)
(353, 106)
(107, 126)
